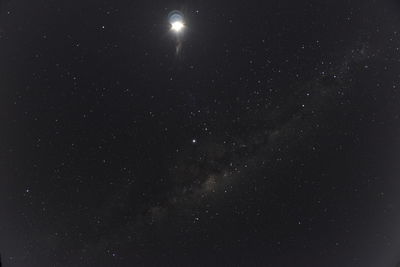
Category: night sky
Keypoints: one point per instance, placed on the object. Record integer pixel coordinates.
(262, 133)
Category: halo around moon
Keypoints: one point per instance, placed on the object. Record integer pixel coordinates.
(176, 19)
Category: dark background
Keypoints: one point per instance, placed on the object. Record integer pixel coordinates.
(271, 139)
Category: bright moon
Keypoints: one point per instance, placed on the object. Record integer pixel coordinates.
(176, 20)
(177, 26)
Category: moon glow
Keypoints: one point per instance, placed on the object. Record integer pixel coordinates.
(176, 19)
